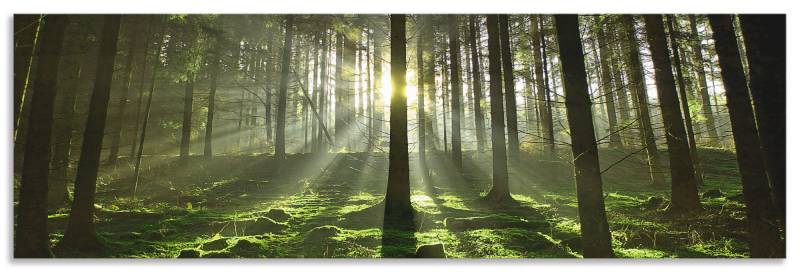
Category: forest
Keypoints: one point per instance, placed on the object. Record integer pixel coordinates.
(399, 136)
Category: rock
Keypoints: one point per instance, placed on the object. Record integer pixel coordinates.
(654, 201)
(322, 233)
(278, 215)
(431, 251)
(218, 254)
(738, 197)
(189, 253)
(492, 222)
(215, 245)
(246, 248)
(714, 193)
(260, 225)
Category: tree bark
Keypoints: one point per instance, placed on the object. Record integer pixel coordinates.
(636, 80)
(26, 39)
(477, 89)
(500, 190)
(421, 120)
(763, 234)
(765, 37)
(546, 115)
(615, 140)
(31, 239)
(398, 191)
(280, 126)
(127, 78)
(699, 68)
(80, 232)
(684, 188)
(455, 85)
(510, 93)
(595, 233)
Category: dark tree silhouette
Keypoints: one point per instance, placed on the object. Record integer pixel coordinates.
(80, 228)
(545, 112)
(698, 63)
(500, 191)
(595, 235)
(508, 84)
(398, 191)
(31, 239)
(477, 88)
(455, 85)
(286, 58)
(615, 141)
(763, 234)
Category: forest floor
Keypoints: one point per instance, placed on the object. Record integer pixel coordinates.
(324, 207)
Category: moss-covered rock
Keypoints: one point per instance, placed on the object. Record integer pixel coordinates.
(217, 244)
(278, 215)
(322, 233)
(189, 253)
(713, 193)
(246, 248)
(431, 251)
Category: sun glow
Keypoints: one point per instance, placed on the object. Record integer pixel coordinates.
(411, 88)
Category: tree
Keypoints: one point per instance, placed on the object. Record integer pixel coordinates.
(31, 239)
(765, 37)
(477, 77)
(595, 235)
(684, 186)
(80, 228)
(455, 85)
(684, 100)
(636, 80)
(421, 120)
(510, 93)
(500, 192)
(615, 140)
(398, 191)
(763, 234)
(26, 40)
(127, 77)
(280, 128)
(215, 61)
(698, 63)
(545, 112)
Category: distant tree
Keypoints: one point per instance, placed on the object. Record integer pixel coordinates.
(698, 63)
(280, 127)
(477, 89)
(635, 74)
(615, 141)
(508, 83)
(545, 112)
(765, 37)
(595, 234)
(455, 85)
(80, 231)
(763, 234)
(26, 39)
(423, 25)
(31, 237)
(134, 28)
(398, 191)
(215, 61)
(500, 191)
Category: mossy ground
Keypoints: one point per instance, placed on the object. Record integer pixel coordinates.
(230, 206)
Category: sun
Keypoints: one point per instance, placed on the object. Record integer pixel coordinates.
(411, 88)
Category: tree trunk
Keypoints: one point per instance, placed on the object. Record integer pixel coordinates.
(684, 101)
(615, 140)
(31, 239)
(398, 191)
(127, 77)
(500, 191)
(80, 229)
(684, 187)
(377, 84)
(455, 85)
(421, 137)
(765, 36)
(429, 71)
(595, 233)
(280, 126)
(636, 81)
(699, 67)
(510, 93)
(763, 234)
(186, 127)
(148, 105)
(546, 115)
(477, 89)
(26, 38)
(322, 89)
(620, 88)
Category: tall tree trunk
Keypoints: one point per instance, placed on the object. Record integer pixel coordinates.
(421, 137)
(455, 85)
(510, 93)
(212, 94)
(633, 64)
(763, 233)
(80, 228)
(322, 89)
(127, 78)
(26, 39)
(477, 89)
(348, 90)
(546, 115)
(684, 186)
(620, 88)
(500, 191)
(398, 191)
(377, 85)
(765, 36)
(140, 86)
(148, 105)
(31, 239)
(684, 101)
(595, 234)
(615, 140)
(429, 71)
(186, 127)
(280, 127)
(699, 68)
